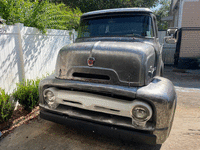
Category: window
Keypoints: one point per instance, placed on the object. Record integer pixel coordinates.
(123, 25)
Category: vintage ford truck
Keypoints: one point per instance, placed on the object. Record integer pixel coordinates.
(110, 80)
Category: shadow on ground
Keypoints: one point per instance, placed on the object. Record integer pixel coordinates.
(41, 134)
(187, 79)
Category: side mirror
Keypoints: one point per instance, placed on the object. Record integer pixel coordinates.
(172, 36)
(170, 40)
(171, 31)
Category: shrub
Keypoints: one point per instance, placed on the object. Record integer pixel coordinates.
(41, 14)
(6, 106)
(27, 93)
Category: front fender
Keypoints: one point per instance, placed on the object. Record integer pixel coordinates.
(160, 93)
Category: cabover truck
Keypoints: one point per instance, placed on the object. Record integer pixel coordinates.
(110, 79)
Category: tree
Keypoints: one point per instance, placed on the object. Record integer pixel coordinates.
(162, 12)
(40, 14)
(91, 5)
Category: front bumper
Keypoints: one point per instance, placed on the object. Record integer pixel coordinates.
(160, 94)
(102, 129)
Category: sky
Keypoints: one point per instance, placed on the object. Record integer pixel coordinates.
(156, 8)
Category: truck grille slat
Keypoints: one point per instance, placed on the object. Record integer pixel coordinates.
(104, 108)
(72, 102)
(91, 76)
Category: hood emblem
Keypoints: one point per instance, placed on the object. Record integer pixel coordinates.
(91, 61)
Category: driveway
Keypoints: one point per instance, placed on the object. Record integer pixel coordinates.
(185, 133)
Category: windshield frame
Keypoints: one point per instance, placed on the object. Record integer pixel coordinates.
(120, 14)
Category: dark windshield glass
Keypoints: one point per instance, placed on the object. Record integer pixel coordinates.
(137, 25)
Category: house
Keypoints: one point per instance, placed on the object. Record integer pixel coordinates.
(185, 15)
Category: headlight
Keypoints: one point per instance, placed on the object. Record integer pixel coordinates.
(50, 99)
(141, 113)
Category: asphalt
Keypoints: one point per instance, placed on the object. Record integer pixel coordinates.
(183, 79)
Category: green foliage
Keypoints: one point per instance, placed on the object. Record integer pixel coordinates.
(40, 14)
(162, 12)
(6, 106)
(90, 5)
(27, 93)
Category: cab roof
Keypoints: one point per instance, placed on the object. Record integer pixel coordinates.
(117, 10)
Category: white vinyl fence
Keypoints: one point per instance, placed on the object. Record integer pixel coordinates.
(161, 35)
(27, 53)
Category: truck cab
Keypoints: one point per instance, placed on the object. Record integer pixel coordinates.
(111, 77)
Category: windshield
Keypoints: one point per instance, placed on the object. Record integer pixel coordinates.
(131, 25)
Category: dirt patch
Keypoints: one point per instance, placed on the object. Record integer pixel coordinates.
(19, 117)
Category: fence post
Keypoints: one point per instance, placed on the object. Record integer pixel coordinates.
(73, 32)
(19, 52)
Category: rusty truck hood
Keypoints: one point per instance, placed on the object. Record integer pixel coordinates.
(116, 63)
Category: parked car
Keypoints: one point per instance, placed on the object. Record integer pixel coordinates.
(110, 80)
